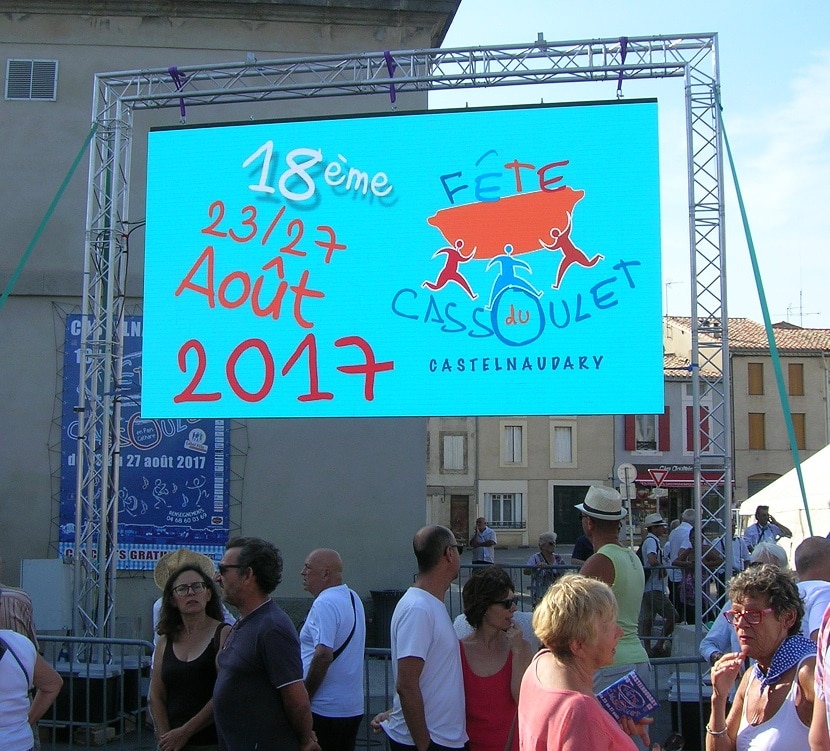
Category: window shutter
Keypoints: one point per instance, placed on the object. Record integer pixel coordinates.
(704, 428)
(664, 430)
(690, 427)
(630, 434)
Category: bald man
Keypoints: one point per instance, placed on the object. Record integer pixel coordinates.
(812, 564)
(332, 642)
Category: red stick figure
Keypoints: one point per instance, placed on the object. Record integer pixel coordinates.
(570, 253)
(450, 272)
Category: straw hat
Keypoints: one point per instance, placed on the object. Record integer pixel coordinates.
(654, 520)
(602, 503)
(169, 562)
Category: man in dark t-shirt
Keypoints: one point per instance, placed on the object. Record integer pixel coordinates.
(582, 551)
(259, 700)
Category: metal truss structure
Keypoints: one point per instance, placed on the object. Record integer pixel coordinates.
(692, 58)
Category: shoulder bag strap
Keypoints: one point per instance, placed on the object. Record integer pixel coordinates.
(345, 644)
(7, 648)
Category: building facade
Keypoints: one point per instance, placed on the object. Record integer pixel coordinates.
(524, 474)
(301, 483)
(761, 440)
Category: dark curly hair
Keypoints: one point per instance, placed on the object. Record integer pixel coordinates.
(775, 584)
(170, 619)
(264, 560)
(482, 589)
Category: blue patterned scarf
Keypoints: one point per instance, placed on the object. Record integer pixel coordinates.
(790, 652)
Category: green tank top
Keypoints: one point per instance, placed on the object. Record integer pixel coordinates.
(629, 581)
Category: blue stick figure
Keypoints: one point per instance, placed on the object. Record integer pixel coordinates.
(507, 278)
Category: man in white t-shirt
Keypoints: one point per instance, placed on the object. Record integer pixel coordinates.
(483, 542)
(812, 564)
(332, 642)
(428, 712)
(655, 593)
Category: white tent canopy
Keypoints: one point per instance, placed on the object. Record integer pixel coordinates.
(786, 504)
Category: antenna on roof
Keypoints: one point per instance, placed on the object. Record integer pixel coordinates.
(800, 309)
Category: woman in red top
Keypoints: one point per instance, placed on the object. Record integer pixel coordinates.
(493, 659)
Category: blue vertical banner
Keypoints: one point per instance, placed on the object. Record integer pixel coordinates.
(467, 262)
(174, 473)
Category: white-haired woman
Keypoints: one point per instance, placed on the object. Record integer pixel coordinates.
(540, 567)
(576, 622)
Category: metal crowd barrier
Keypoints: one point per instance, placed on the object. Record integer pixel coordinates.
(522, 581)
(104, 695)
(105, 702)
(680, 684)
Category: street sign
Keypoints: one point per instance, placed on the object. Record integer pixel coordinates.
(626, 473)
(659, 476)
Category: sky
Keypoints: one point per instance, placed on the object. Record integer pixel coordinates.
(775, 89)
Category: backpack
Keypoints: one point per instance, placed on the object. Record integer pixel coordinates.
(644, 563)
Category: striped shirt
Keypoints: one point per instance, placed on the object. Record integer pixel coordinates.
(16, 612)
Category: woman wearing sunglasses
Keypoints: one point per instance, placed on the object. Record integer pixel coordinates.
(493, 659)
(774, 702)
(192, 632)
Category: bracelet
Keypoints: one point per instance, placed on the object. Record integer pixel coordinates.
(715, 732)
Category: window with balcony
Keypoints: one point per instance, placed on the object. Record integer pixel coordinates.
(704, 427)
(648, 434)
(504, 510)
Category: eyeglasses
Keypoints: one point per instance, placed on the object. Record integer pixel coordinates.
(507, 604)
(223, 568)
(185, 589)
(752, 617)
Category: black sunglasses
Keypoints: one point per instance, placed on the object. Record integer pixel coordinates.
(507, 604)
(223, 568)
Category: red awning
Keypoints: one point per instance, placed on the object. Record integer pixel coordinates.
(674, 476)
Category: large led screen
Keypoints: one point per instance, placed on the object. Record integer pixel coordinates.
(466, 262)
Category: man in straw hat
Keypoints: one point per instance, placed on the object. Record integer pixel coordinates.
(167, 564)
(656, 594)
(259, 700)
(602, 511)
